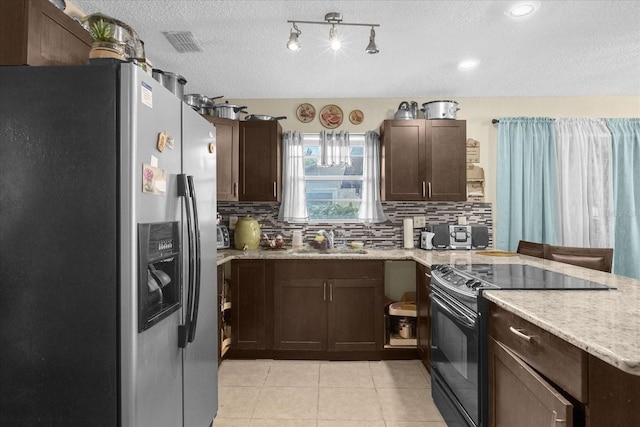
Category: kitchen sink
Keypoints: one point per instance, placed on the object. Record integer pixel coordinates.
(334, 251)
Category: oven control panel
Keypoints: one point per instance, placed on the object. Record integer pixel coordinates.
(457, 280)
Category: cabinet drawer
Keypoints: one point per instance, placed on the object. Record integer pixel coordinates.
(556, 359)
(328, 269)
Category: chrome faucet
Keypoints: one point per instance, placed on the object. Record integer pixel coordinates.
(329, 236)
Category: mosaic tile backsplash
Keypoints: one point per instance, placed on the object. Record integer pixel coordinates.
(383, 235)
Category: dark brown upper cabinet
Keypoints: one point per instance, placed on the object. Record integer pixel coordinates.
(260, 161)
(424, 160)
(228, 157)
(36, 32)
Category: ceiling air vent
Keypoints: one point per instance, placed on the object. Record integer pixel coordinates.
(183, 41)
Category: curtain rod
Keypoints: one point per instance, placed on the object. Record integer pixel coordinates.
(496, 121)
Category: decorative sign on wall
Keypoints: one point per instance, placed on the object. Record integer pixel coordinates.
(473, 151)
(475, 174)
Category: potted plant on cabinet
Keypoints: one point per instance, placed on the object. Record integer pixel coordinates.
(104, 44)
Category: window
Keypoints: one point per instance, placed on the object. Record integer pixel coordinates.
(348, 192)
(333, 192)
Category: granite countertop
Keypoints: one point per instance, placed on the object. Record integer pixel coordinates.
(605, 324)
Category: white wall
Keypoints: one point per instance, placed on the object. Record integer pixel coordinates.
(478, 113)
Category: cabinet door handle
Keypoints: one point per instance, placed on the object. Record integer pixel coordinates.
(429, 189)
(519, 334)
(424, 191)
(557, 421)
(324, 291)
(428, 275)
(330, 291)
(275, 189)
(235, 188)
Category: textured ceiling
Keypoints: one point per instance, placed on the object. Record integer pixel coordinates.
(566, 48)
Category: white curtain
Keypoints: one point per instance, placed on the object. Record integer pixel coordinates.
(334, 149)
(371, 207)
(585, 196)
(294, 206)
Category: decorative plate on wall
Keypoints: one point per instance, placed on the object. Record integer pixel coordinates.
(306, 113)
(331, 116)
(356, 117)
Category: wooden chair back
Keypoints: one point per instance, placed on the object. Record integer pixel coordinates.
(531, 249)
(594, 258)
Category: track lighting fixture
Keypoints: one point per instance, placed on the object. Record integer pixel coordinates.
(334, 19)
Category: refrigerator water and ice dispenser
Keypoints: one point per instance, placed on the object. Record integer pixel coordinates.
(159, 272)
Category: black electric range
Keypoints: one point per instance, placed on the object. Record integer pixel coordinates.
(459, 330)
(467, 281)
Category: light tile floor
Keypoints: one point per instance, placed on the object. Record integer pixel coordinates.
(270, 393)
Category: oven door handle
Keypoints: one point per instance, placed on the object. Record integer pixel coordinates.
(452, 311)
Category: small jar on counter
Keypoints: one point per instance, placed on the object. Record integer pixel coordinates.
(296, 241)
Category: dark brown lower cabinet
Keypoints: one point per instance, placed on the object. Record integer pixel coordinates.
(614, 396)
(220, 283)
(248, 299)
(328, 305)
(520, 396)
(299, 311)
(537, 378)
(423, 283)
(355, 320)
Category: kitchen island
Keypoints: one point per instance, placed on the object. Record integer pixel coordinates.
(605, 325)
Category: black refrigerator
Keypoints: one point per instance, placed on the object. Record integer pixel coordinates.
(107, 251)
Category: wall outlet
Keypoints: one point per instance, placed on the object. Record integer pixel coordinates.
(232, 221)
(419, 221)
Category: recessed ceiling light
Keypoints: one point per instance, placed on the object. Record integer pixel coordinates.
(469, 64)
(522, 9)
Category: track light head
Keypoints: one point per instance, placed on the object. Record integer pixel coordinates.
(334, 41)
(294, 43)
(372, 48)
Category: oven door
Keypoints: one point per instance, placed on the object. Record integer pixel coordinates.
(455, 358)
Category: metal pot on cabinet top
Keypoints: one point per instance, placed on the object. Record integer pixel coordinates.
(228, 111)
(264, 117)
(172, 81)
(247, 234)
(440, 110)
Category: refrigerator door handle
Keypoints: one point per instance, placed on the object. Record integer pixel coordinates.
(197, 259)
(183, 330)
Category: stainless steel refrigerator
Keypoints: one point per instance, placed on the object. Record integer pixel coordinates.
(107, 251)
